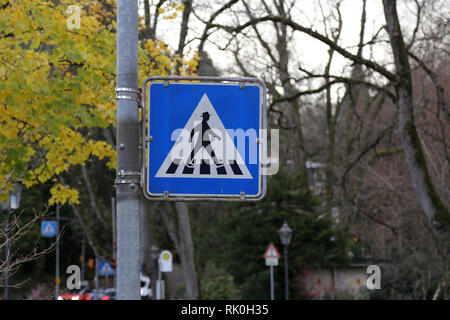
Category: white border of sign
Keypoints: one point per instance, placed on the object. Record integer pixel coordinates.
(262, 188)
(271, 261)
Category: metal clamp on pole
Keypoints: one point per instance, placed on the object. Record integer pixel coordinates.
(128, 177)
(127, 90)
(127, 97)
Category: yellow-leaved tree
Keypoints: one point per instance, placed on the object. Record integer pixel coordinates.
(57, 79)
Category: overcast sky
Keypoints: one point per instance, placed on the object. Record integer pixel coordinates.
(311, 52)
(304, 50)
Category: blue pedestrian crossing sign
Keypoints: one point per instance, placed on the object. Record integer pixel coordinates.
(205, 139)
(106, 269)
(48, 228)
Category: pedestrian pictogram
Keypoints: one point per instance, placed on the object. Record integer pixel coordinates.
(207, 155)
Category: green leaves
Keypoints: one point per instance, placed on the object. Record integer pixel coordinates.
(217, 284)
(50, 84)
(241, 233)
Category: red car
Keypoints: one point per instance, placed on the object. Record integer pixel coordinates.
(82, 294)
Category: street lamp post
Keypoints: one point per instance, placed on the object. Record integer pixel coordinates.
(12, 204)
(285, 236)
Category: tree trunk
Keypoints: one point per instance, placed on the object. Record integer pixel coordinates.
(92, 197)
(185, 243)
(426, 194)
(331, 127)
(331, 146)
(146, 240)
(296, 141)
(184, 26)
(182, 240)
(186, 251)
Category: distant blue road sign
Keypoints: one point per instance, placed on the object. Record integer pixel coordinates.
(48, 228)
(106, 269)
(204, 139)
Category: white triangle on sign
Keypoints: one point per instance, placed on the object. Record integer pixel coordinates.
(49, 229)
(228, 163)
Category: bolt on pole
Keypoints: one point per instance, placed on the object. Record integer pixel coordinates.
(128, 154)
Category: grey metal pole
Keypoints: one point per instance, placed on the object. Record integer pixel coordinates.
(114, 240)
(153, 276)
(286, 280)
(272, 294)
(128, 153)
(8, 249)
(57, 280)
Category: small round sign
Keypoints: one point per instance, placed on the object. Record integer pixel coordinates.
(165, 261)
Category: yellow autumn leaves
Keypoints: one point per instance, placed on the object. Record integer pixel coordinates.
(57, 84)
(63, 194)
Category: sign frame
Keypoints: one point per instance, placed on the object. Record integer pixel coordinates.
(102, 264)
(147, 139)
(271, 246)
